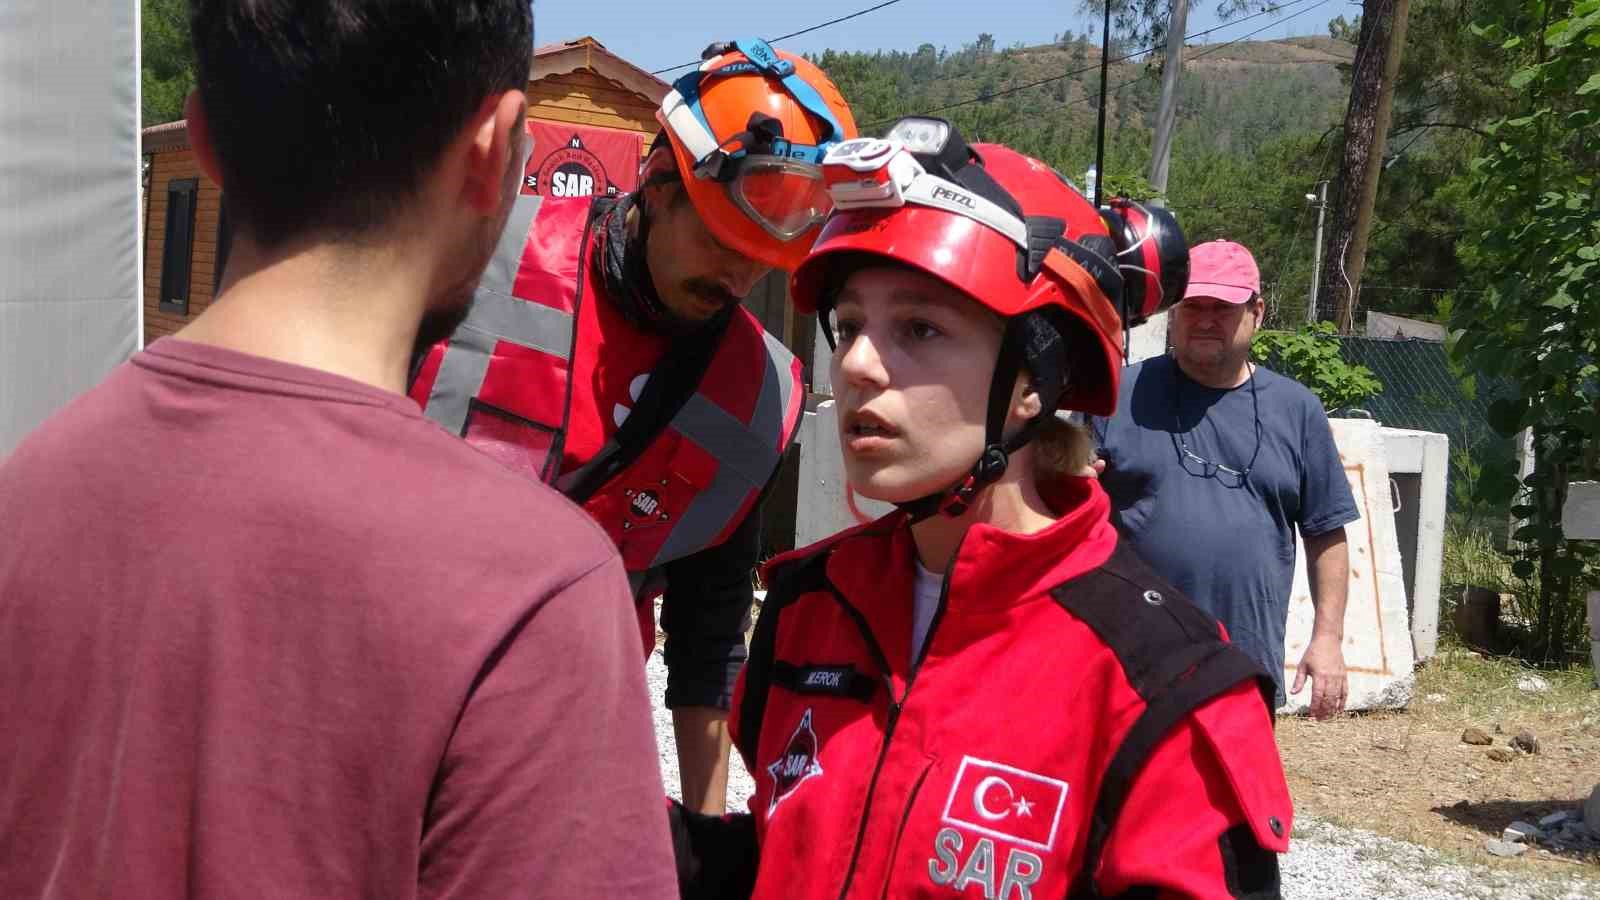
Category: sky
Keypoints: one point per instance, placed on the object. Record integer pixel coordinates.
(654, 34)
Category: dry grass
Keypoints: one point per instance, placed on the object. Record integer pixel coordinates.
(1407, 775)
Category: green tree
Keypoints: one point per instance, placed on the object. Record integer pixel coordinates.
(167, 60)
(1312, 356)
(1452, 83)
(1341, 30)
(1538, 323)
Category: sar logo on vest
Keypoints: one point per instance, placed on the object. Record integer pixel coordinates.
(645, 504)
(796, 763)
(569, 171)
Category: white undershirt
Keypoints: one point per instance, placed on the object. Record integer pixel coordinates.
(924, 603)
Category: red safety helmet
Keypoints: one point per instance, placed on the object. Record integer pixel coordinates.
(749, 129)
(1014, 235)
(975, 243)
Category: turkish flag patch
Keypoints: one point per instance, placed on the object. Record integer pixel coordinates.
(1006, 802)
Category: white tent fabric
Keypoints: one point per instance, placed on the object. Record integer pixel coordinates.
(70, 304)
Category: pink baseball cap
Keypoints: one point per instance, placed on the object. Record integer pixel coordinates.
(1223, 270)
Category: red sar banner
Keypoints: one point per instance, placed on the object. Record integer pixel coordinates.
(580, 160)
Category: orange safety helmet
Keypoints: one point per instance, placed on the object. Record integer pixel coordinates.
(749, 129)
(1013, 235)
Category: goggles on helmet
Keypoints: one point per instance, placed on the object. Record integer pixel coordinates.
(775, 182)
(784, 196)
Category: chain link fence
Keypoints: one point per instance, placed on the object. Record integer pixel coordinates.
(1422, 393)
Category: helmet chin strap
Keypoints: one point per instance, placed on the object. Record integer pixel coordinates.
(956, 499)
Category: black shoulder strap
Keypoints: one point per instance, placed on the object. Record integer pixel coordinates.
(670, 385)
(1171, 654)
(789, 582)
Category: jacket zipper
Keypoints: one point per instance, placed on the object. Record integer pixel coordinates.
(895, 706)
(905, 818)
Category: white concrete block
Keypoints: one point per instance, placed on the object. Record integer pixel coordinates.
(1427, 455)
(1594, 657)
(1403, 449)
(1377, 638)
(1147, 340)
(1580, 518)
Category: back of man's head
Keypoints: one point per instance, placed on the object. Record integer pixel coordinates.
(326, 114)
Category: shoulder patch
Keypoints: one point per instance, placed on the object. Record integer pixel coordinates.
(1155, 631)
(789, 576)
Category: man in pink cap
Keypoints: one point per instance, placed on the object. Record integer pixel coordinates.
(1212, 462)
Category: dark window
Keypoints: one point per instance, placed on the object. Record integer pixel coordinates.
(178, 251)
(224, 244)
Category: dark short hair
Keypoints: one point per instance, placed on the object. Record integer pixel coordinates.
(325, 114)
(666, 177)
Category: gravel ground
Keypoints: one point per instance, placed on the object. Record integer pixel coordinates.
(1325, 861)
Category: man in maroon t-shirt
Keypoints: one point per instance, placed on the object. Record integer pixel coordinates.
(265, 631)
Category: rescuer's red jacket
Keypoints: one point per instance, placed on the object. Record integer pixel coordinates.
(1068, 706)
(547, 376)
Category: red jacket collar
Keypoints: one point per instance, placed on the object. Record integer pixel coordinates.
(993, 569)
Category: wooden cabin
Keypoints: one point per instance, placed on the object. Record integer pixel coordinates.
(186, 225)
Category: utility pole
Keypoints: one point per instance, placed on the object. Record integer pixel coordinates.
(1100, 126)
(1366, 131)
(1321, 198)
(1167, 112)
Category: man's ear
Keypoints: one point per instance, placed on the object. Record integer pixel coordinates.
(1025, 401)
(495, 141)
(199, 127)
(659, 168)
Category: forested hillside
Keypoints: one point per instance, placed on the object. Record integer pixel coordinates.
(1258, 126)
(1256, 122)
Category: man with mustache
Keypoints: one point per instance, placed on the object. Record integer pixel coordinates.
(1212, 462)
(606, 352)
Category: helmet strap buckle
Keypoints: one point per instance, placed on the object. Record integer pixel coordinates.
(988, 469)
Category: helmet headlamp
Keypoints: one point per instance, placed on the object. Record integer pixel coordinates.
(921, 135)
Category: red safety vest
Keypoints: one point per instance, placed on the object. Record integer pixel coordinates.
(1072, 727)
(502, 381)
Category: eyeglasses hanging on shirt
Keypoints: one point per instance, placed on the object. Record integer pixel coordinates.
(1225, 475)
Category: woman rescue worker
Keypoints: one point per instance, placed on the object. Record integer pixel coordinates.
(982, 694)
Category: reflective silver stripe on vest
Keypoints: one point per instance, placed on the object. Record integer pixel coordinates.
(746, 455)
(501, 273)
(769, 417)
(495, 315)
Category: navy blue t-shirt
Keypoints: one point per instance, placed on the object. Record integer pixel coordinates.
(1225, 541)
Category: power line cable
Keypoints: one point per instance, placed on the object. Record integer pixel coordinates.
(794, 34)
